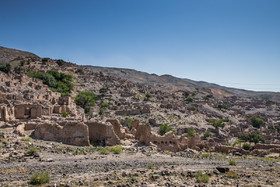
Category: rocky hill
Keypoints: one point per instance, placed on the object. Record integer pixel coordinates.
(179, 83)
(44, 100)
(8, 55)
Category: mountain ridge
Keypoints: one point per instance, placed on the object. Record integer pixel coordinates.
(8, 55)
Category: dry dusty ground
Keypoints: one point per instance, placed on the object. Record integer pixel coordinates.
(135, 166)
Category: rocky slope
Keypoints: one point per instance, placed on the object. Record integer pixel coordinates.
(130, 109)
(179, 83)
(8, 55)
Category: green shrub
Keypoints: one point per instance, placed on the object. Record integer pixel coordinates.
(104, 151)
(186, 94)
(209, 96)
(190, 132)
(58, 82)
(49, 80)
(205, 155)
(164, 128)
(26, 138)
(148, 95)
(222, 106)
(40, 178)
(232, 174)
(18, 69)
(202, 178)
(232, 162)
(117, 149)
(32, 151)
(104, 104)
(218, 123)
(22, 63)
(255, 137)
(6, 68)
(193, 108)
(65, 114)
(86, 100)
(101, 111)
(194, 94)
(246, 146)
(189, 100)
(80, 71)
(103, 90)
(60, 62)
(207, 134)
(269, 102)
(4, 140)
(150, 166)
(44, 60)
(256, 122)
(127, 122)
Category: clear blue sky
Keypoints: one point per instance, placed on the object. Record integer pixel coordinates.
(230, 42)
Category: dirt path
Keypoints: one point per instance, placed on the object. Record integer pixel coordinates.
(96, 169)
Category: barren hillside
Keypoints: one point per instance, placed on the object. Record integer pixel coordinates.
(56, 115)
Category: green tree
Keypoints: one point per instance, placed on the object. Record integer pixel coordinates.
(48, 80)
(255, 137)
(86, 100)
(256, 122)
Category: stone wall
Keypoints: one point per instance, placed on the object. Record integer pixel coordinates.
(103, 132)
(73, 133)
(25, 111)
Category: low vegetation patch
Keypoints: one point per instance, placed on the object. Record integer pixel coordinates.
(190, 132)
(232, 162)
(18, 69)
(4, 140)
(189, 99)
(6, 68)
(205, 155)
(164, 128)
(148, 95)
(193, 108)
(217, 123)
(40, 178)
(255, 137)
(222, 106)
(247, 146)
(26, 139)
(150, 166)
(207, 134)
(32, 151)
(57, 81)
(117, 149)
(232, 174)
(202, 178)
(65, 114)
